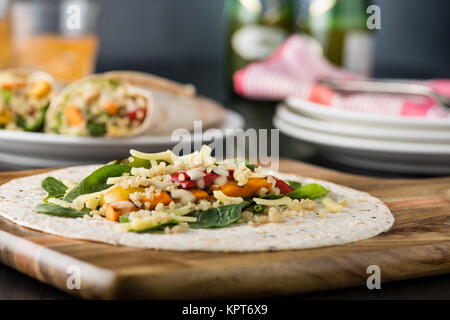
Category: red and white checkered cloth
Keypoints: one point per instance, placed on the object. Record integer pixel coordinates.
(294, 69)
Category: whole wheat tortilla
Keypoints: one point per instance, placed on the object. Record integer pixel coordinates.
(364, 217)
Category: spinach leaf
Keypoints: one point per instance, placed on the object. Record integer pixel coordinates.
(308, 191)
(21, 122)
(35, 124)
(96, 181)
(140, 163)
(96, 129)
(137, 162)
(55, 210)
(54, 188)
(293, 184)
(218, 217)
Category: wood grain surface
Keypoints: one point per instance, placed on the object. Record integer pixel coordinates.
(417, 245)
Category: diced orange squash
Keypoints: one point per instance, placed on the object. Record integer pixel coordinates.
(248, 190)
(13, 85)
(112, 214)
(111, 108)
(163, 198)
(118, 194)
(200, 194)
(73, 115)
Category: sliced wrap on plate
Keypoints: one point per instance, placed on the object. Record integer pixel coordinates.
(193, 202)
(24, 98)
(125, 103)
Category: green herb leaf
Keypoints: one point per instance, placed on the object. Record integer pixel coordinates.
(218, 217)
(293, 184)
(54, 188)
(124, 219)
(96, 129)
(258, 208)
(96, 181)
(55, 210)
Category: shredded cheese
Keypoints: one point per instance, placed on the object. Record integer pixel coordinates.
(182, 210)
(219, 195)
(167, 156)
(79, 202)
(285, 201)
(330, 205)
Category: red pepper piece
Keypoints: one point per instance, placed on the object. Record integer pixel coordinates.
(133, 115)
(209, 178)
(283, 186)
(186, 183)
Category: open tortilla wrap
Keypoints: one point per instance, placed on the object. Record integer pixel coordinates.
(25, 95)
(169, 105)
(364, 217)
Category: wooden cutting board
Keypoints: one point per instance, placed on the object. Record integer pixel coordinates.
(418, 245)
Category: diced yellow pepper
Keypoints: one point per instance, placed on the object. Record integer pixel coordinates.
(118, 194)
(5, 116)
(39, 89)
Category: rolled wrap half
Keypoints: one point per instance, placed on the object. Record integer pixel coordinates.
(100, 106)
(25, 96)
(174, 105)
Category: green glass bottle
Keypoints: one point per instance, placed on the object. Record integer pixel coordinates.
(255, 29)
(340, 28)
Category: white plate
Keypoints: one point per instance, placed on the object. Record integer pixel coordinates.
(404, 157)
(33, 150)
(354, 130)
(322, 112)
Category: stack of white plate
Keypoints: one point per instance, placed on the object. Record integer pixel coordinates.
(384, 143)
(21, 150)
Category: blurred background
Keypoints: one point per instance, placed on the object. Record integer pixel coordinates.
(191, 42)
(412, 42)
(172, 37)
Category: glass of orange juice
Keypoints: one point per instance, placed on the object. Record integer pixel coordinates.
(56, 36)
(5, 52)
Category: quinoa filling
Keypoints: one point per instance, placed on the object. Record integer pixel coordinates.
(101, 108)
(24, 100)
(161, 191)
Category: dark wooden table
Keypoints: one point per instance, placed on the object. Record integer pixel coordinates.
(208, 80)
